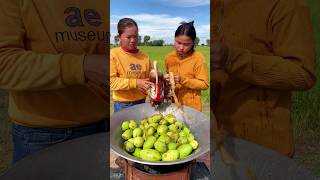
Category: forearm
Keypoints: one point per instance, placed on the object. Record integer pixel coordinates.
(196, 84)
(200, 81)
(272, 72)
(27, 70)
(117, 83)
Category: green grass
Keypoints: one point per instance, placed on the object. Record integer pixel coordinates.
(306, 109)
(306, 106)
(158, 53)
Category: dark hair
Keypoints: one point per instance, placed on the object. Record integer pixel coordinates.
(124, 23)
(186, 29)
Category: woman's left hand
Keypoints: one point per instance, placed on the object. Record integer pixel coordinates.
(167, 77)
(177, 78)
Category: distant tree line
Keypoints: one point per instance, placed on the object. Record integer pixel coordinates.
(160, 42)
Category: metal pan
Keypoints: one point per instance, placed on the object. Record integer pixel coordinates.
(196, 121)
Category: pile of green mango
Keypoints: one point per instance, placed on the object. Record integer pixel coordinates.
(158, 138)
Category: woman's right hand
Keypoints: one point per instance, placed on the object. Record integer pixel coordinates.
(219, 53)
(143, 85)
(95, 67)
(177, 78)
(167, 77)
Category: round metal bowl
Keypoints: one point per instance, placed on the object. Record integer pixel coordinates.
(196, 121)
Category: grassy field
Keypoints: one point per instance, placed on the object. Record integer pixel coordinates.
(306, 109)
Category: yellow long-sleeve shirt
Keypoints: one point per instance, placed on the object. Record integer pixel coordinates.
(125, 69)
(42, 47)
(271, 53)
(193, 71)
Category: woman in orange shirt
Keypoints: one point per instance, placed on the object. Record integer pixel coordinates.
(189, 67)
(129, 68)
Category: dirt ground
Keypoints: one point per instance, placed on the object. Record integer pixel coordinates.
(307, 151)
(5, 131)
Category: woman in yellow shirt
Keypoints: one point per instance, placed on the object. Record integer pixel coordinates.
(188, 66)
(129, 68)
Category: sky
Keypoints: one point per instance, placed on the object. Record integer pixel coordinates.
(160, 18)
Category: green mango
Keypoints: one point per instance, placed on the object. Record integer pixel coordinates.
(131, 140)
(173, 128)
(155, 118)
(164, 138)
(160, 146)
(127, 134)
(137, 132)
(171, 155)
(170, 118)
(149, 143)
(128, 146)
(145, 136)
(163, 122)
(182, 134)
(190, 137)
(150, 131)
(136, 152)
(173, 135)
(125, 125)
(138, 141)
(162, 129)
(144, 121)
(133, 124)
(150, 155)
(186, 130)
(146, 126)
(172, 146)
(179, 124)
(194, 144)
(156, 135)
(184, 150)
(182, 140)
(155, 125)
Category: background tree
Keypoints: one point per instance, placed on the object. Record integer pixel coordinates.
(196, 41)
(146, 39)
(157, 42)
(139, 40)
(116, 40)
(208, 42)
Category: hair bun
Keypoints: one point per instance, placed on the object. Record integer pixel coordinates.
(187, 23)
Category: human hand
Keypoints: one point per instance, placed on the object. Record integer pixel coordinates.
(219, 53)
(95, 69)
(143, 85)
(95, 72)
(177, 78)
(167, 77)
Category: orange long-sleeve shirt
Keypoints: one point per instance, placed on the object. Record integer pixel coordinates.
(42, 48)
(193, 71)
(271, 53)
(125, 69)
